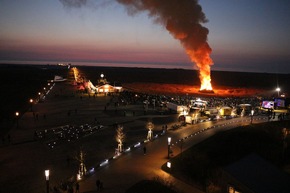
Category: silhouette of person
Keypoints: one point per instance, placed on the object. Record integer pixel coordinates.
(144, 150)
(77, 187)
(98, 183)
(67, 160)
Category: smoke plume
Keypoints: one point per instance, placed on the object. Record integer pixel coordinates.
(182, 18)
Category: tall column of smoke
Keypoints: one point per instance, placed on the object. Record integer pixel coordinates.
(182, 18)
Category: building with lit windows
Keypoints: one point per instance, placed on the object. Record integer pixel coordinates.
(103, 86)
(107, 88)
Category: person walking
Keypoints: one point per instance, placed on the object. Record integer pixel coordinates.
(77, 187)
(98, 183)
(67, 160)
(70, 188)
(101, 186)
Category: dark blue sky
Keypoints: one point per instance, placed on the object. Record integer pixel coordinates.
(245, 35)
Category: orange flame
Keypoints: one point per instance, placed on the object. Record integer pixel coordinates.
(183, 20)
(201, 57)
(197, 49)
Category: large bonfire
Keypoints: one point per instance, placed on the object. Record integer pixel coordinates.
(183, 20)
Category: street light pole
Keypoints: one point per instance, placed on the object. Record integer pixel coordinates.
(278, 90)
(168, 140)
(181, 145)
(46, 172)
(31, 103)
(252, 115)
(17, 117)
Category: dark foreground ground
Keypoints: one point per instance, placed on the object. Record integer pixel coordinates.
(28, 159)
(201, 164)
(19, 84)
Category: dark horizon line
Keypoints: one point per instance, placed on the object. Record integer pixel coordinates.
(137, 67)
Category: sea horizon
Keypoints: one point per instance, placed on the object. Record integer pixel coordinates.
(185, 66)
(101, 64)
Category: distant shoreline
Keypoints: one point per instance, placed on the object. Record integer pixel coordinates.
(186, 66)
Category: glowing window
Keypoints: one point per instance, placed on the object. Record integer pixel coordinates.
(231, 189)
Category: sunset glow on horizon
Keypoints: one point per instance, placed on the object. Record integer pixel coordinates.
(244, 36)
